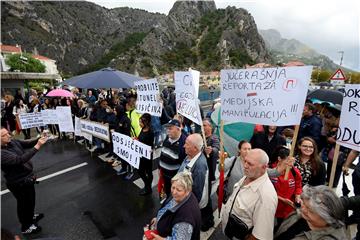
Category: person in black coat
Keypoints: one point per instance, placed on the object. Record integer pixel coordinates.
(146, 136)
(123, 126)
(20, 179)
(267, 140)
(8, 119)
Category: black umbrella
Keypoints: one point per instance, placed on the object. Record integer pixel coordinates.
(327, 95)
(103, 78)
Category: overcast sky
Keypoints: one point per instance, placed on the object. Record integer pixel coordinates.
(328, 26)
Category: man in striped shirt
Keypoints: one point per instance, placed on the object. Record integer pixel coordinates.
(172, 153)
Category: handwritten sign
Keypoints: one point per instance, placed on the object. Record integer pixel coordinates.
(269, 96)
(96, 129)
(186, 89)
(64, 119)
(348, 134)
(49, 116)
(148, 97)
(129, 149)
(30, 120)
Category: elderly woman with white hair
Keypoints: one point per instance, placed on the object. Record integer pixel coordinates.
(321, 217)
(179, 217)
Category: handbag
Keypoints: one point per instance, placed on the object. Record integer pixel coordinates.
(235, 227)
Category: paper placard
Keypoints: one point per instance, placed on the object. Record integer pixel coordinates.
(129, 149)
(49, 116)
(348, 134)
(268, 96)
(65, 119)
(30, 120)
(186, 89)
(148, 97)
(87, 136)
(96, 129)
(77, 127)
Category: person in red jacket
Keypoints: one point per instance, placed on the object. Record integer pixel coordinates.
(288, 190)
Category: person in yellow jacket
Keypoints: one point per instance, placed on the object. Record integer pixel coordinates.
(133, 116)
(135, 127)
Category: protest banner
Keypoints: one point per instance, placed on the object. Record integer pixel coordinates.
(96, 129)
(30, 120)
(87, 136)
(268, 96)
(186, 89)
(77, 127)
(64, 119)
(129, 149)
(348, 134)
(49, 116)
(148, 97)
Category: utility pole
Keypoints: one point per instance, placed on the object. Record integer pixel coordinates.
(342, 56)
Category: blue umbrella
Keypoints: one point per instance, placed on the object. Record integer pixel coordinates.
(103, 78)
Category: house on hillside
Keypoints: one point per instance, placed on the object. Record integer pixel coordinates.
(12, 81)
(6, 50)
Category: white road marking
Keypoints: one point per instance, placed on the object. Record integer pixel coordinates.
(54, 174)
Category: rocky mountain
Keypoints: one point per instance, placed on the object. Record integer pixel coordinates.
(82, 36)
(75, 34)
(285, 50)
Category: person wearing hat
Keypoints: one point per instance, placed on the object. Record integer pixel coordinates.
(172, 153)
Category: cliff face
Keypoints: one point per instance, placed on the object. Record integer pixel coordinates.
(81, 35)
(75, 34)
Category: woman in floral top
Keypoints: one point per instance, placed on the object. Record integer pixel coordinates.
(312, 168)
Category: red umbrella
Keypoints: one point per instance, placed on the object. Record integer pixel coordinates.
(59, 93)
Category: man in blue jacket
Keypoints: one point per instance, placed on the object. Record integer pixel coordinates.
(310, 125)
(195, 162)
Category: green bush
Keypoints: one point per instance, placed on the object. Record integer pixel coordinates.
(24, 63)
(239, 58)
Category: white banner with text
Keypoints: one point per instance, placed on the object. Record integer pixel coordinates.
(268, 96)
(187, 89)
(30, 120)
(65, 119)
(129, 149)
(148, 97)
(96, 129)
(348, 134)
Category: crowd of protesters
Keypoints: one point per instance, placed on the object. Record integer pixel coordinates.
(260, 202)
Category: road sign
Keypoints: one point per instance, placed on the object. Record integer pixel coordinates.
(338, 77)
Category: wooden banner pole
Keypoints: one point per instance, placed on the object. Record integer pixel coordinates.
(334, 163)
(292, 150)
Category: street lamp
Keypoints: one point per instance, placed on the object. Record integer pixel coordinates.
(342, 56)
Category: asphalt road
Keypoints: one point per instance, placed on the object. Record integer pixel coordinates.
(89, 202)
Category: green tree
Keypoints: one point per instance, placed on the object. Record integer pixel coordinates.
(355, 77)
(24, 63)
(324, 76)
